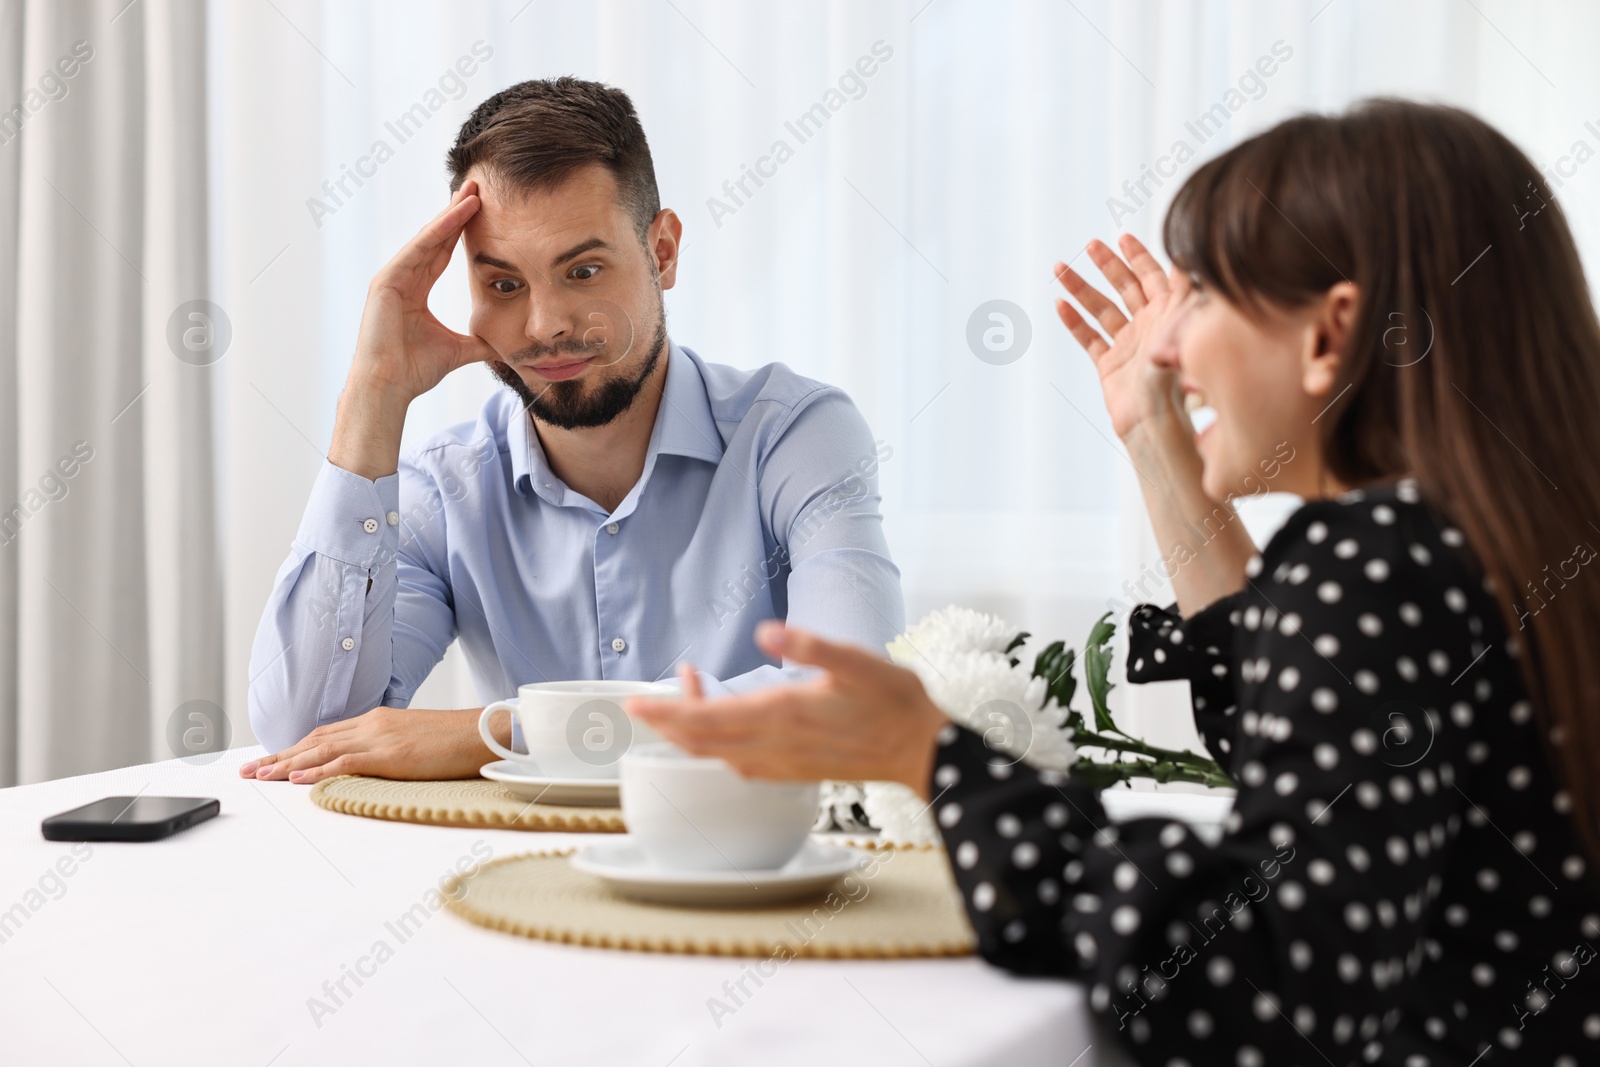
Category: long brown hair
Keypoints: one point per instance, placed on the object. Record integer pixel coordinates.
(1473, 364)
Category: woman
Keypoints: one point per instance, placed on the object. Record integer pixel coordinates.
(1400, 681)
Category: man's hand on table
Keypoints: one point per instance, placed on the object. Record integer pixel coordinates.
(403, 743)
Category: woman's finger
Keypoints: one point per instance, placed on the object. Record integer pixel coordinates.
(1151, 277)
(691, 682)
(1181, 302)
(654, 709)
(1081, 331)
(693, 712)
(1107, 314)
(802, 646)
(694, 726)
(1122, 279)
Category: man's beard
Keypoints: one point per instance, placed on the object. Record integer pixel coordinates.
(564, 404)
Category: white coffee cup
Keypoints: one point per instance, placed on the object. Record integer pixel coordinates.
(574, 729)
(698, 813)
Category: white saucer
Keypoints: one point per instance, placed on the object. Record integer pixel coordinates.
(622, 865)
(583, 792)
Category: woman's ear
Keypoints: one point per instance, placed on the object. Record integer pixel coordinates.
(1327, 332)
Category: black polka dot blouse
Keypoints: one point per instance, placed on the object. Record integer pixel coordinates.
(1399, 881)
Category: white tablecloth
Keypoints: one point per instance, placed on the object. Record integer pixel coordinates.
(209, 947)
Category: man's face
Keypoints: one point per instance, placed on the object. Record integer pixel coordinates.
(568, 296)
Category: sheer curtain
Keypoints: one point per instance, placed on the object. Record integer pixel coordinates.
(936, 157)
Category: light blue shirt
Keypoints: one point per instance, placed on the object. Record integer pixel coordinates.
(758, 500)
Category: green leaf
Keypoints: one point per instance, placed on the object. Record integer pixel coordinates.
(1097, 670)
(1015, 641)
(1054, 664)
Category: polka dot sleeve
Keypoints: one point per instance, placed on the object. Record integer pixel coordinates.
(1299, 931)
(1162, 646)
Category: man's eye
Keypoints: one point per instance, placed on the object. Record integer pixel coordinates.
(585, 273)
(513, 286)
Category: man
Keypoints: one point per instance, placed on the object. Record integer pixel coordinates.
(623, 507)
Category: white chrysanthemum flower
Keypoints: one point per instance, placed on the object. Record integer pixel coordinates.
(959, 656)
(950, 630)
(985, 693)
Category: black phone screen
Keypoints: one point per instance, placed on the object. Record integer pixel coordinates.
(129, 818)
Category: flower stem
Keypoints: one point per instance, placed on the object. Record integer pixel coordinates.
(1142, 748)
(1101, 775)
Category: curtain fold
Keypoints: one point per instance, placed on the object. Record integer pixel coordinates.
(111, 611)
(187, 341)
(11, 23)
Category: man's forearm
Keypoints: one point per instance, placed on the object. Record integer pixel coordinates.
(1204, 544)
(367, 430)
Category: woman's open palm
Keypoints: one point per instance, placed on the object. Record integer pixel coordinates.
(1134, 386)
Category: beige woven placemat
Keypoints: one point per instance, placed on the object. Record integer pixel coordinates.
(903, 904)
(462, 802)
(480, 802)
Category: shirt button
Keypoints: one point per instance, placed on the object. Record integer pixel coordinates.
(394, 518)
(348, 643)
(370, 525)
(618, 644)
(612, 527)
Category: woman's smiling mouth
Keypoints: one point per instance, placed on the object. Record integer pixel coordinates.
(1201, 414)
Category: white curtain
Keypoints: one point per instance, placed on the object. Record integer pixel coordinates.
(984, 144)
(110, 590)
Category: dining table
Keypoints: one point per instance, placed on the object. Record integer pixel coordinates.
(226, 943)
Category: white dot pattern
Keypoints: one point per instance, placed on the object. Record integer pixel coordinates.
(1399, 866)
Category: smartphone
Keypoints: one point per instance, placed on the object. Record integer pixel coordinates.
(129, 819)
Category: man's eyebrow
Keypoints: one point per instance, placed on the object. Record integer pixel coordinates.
(499, 264)
(579, 249)
(572, 253)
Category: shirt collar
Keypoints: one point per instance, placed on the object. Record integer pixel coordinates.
(684, 427)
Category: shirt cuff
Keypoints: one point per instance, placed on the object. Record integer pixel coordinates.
(352, 519)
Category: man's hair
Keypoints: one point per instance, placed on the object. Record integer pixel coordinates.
(534, 135)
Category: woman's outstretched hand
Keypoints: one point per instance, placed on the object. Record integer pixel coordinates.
(1135, 387)
(864, 719)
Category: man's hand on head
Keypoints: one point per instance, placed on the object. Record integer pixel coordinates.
(401, 743)
(402, 350)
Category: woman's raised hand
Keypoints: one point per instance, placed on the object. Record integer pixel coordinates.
(1135, 386)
